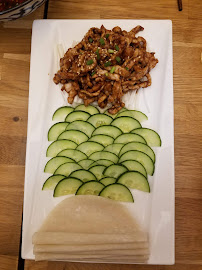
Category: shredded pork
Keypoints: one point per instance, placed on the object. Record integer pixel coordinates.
(105, 65)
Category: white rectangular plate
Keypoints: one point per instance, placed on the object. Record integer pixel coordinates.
(156, 101)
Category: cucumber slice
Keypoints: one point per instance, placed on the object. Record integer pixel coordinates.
(61, 113)
(67, 168)
(67, 186)
(102, 139)
(90, 147)
(143, 158)
(73, 135)
(100, 119)
(108, 114)
(104, 155)
(83, 175)
(126, 138)
(126, 124)
(108, 181)
(134, 114)
(134, 165)
(55, 162)
(115, 170)
(77, 115)
(140, 147)
(89, 109)
(107, 130)
(52, 181)
(56, 130)
(134, 180)
(90, 188)
(57, 146)
(73, 154)
(117, 192)
(98, 171)
(114, 115)
(114, 148)
(83, 126)
(104, 162)
(86, 163)
(152, 137)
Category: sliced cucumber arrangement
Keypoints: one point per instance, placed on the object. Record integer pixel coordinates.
(108, 181)
(67, 168)
(67, 186)
(107, 130)
(104, 155)
(86, 163)
(115, 171)
(102, 139)
(104, 162)
(52, 181)
(73, 154)
(83, 126)
(90, 147)
(57, 146)
(151, 137)
(117, 192)
(100, 119)
(61, 113)
(143, 158)
(90, 109)
(56, 130)
(134, 165)
(98, 171)
(140, 147)
(55, 162)
(73, 135)
(134, 180)
(141, 117)
(96, 153)
(126, 124)
(77, 115)
(83, 175)
(114, 148)
(90, 188)
(129, 137)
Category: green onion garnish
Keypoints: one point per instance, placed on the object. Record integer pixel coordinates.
(89, 62)
(107, 64)
(117, 47)
(107, 35)
(90, 40)
(93, 73)
(126, 68)
(112, 70)
(118, 59)
(102, 42)
(98, 55)
(106, 74)
(110, 51)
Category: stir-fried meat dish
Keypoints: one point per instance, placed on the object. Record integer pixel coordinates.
(105, 65)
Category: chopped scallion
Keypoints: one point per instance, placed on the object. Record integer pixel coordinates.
(89, 62)
(110, 51)
(102, 42)
(97, 53)
(118, 59)
(106, 74)
(107, 35)
(90, 40)
(126, 68)
(112, 70)
(117, 47)
(93, 73)
(107, 64)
